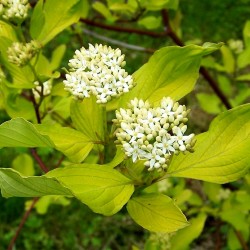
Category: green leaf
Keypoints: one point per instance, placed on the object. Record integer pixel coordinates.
(57, 57)
(157, 213)
(221, 154)
(232, 240)
(44, 202)
(21, 133)
(119, 157)
(228, 59)
(123, 7)
(84, 8)
(245, 77)
(156, 5)
(182, 239)
(55, 15)
(150, 22)
(171, 71)
(37, 20)
(75, 145)
(16, 106)
(23, 163)
(243, 58)
(237, 219)
(14, 184)
(209, 103)
(88, 117)
(103, 10)
(7, 31)
(246, 34)
(100, 187)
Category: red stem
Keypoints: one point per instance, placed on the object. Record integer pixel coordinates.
(122, 29)
(39, 160)
(25, 217)
(241, 240)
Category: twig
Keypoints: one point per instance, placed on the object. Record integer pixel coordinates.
(60, 161)
(36, 107)
(122, 29)
(25, 217)
(241, 240)
(39, 160)
(214, 85)
(117, 42)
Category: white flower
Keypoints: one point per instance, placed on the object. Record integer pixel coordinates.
(153, 134)
(166, 144)
(100, 68)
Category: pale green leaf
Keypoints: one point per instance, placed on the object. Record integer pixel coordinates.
(57, 16)
(14, 184)
(171, 71)
(88, 117)
(75, 145)
(23, 163)
(21, 133)
(221, 154)
(157, 213)
(100, 187)
(182, 239)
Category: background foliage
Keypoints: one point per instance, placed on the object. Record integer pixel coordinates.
(218, 213)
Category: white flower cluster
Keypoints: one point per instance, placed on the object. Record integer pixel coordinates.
(42, 90)
(14, 9)
(153, 134)
(99, 71)
(21, 53)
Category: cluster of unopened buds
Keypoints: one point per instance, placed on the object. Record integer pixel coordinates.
(16, 10)
(43, 89)
(98, 71)
(21, 53)
(153, 134)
